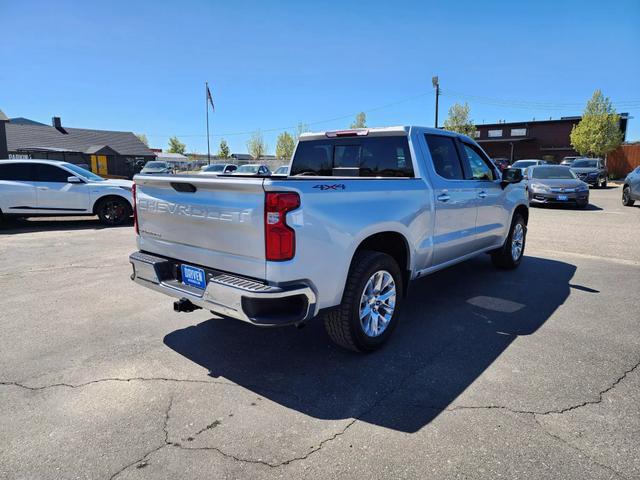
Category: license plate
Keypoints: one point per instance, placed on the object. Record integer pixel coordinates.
(563, 197)
(193, 276)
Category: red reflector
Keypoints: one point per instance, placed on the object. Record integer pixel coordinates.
(280, 239)
(135, 209)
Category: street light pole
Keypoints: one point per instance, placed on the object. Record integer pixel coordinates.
(436, 85)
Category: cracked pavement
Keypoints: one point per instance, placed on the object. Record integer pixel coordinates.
(526, 374)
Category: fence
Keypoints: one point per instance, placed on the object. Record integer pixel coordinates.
(623, 159)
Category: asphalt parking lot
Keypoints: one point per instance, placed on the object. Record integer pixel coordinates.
(491, 374)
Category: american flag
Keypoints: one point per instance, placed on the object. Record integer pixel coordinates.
(210, 98)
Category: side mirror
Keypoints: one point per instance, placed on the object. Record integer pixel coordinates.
(511, 175)
(74, 180)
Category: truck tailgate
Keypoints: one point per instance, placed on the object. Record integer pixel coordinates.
(213, 222)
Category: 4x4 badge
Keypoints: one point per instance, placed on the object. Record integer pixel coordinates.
(332, 186)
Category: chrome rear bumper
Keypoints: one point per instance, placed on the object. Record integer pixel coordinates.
(228, 295)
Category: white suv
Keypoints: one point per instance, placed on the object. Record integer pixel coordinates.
(34, 188)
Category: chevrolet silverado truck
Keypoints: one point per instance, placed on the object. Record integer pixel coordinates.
(361, 214)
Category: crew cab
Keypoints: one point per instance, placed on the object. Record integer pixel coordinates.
(37, 188)
(361, 214)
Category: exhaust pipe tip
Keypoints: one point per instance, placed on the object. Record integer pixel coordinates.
(184, 305)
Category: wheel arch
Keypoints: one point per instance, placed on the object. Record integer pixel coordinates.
(97, 201)
(392, 243)
(522, 210)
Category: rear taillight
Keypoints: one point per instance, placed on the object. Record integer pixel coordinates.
(280, 239)
(135, 209)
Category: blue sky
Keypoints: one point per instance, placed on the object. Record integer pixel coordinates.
(141, 65)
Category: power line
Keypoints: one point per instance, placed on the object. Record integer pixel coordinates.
(531, 104)
(293, 127)
(492, 101)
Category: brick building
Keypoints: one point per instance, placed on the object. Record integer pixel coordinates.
(543, 139)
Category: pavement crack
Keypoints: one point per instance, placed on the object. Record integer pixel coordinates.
(600, 396)
(142, 461)
(314, 449)
(139, 379)
(558, 411)
(580, 451)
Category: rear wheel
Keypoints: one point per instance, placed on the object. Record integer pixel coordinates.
(113, 211)
(510, 254)
(627, 201)
(368, 313)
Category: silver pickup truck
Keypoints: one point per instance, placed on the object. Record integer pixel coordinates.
(361, 214)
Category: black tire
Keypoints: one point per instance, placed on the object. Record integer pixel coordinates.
(502, 257)
(113, 211)
(627, 201)
(343, 322)
(604, 183)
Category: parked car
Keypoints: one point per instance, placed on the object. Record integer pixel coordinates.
(283, 170)
(567, 161)
(501, 163)
(591, 170)
(556, 184)
(155, 168)
(631, 188)
(217, 168)
(252, 169)
(278, 251)
(523, 165)
(37, 188)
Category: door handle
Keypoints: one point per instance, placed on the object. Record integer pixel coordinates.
(482, 194)
(443, 197)
(43, 188)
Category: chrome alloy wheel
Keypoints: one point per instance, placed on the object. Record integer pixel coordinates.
(377, 303)
(517, 241)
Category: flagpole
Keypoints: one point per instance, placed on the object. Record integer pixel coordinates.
(206, 105)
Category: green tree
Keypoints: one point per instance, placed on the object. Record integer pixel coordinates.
(459, 121)
(598, 133)
(285, 146)
(360, 121)
(143, 138)
(256, 146)
(176, 146)
(223, 150)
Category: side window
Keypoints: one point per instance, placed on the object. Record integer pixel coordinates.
(17, 172)
(480, 169)
(445, 156)
(49, 173)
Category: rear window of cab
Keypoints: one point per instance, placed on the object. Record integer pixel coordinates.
(354, 157)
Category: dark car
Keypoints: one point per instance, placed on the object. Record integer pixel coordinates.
(591, 170)
(155, 167)
(501, 163)
(556, 184)
(631, 188)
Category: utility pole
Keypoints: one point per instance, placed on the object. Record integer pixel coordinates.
(436, 85)
(206, 105)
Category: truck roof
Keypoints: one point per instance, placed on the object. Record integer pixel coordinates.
(375, 132)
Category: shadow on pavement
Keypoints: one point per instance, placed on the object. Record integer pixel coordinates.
(556, 206)
(454, 325)
(50, 224)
